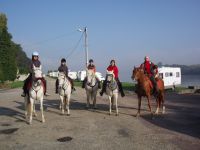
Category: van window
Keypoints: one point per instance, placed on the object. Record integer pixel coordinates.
(166, 74)
(170, 74)
(161, 75)
(177, 74)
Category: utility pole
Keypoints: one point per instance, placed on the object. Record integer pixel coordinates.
(86, 46)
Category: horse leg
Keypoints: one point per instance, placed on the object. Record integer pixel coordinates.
(163, 106)
(94, 100)
(62, 105)
(116, 104)
(68, 102)
(88, 100)
(139, 106)
(158, 104)
(31, 110)
(41, 109)
(149, 104)
(34, 112)
(110, 101)
(26, 106)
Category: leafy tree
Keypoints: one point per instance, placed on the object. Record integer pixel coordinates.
(12, 56)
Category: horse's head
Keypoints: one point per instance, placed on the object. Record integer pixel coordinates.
(37, 72)
(91, 79)
(110, 76)
(137, 72)
(61, 79)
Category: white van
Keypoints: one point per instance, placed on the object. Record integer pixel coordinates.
(171, 76)
(82, 74)
(72, 75)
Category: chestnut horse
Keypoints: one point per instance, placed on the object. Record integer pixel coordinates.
(145, 88)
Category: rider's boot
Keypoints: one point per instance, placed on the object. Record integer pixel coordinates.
(23, 94)
(99, 84)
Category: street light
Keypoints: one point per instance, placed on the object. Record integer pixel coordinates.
(86, 44)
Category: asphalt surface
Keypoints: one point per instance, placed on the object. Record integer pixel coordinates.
(92, 129)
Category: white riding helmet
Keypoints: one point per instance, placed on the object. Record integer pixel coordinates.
(35, 53)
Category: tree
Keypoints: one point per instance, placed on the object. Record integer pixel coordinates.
(11, 54)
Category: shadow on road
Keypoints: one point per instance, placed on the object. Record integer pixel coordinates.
(183, 115)
(4, 111)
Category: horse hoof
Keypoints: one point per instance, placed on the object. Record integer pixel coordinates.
(35, 115)
(109, 114)
(117, 115)
(137, 115)
(68, 114)
(95, 108)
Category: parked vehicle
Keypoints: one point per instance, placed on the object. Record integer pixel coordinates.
(82, 74)
(171, 76)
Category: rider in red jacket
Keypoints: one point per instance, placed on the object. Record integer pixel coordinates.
(149, 69)
(114, 68)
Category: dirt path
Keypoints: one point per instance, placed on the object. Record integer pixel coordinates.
(92, 129)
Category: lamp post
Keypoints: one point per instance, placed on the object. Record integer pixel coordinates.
(86, 44)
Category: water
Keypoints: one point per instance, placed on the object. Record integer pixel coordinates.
(190, 80)
(186, 80)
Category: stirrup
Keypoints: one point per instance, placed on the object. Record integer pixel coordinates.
(23, 95)
(101, 93)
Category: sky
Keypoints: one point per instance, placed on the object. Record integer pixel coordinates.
(167, 31)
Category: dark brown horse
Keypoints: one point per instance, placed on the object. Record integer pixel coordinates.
(145, 88)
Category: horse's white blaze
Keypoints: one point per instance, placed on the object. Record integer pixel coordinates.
(64, 88)
(91, 88)
(112, 93)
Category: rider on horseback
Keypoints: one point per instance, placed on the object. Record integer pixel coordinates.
(91, 66)
(114, 68)
(35, 62)
(63, 68)
(151, 70)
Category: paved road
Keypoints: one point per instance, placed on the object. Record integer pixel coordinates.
(92, 129)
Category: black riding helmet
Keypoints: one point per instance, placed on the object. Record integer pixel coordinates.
(91, 60)
(63, 60)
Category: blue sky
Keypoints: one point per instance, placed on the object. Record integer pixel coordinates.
(125, 30)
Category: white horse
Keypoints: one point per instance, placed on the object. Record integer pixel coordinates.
(36, 92)
(112, 91)
(64, 90)
(91, 88)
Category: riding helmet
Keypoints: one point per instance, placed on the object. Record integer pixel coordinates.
(91, 60)
(63, 60)
(35, 53)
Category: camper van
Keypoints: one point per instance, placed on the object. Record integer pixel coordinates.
(72, 75)
(82, 75)
(171, 76)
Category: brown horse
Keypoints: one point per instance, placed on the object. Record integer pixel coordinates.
(145, 88)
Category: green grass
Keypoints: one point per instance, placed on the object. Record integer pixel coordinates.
(11, 85)
(128, 86)
(78, 83)
(16, 84)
